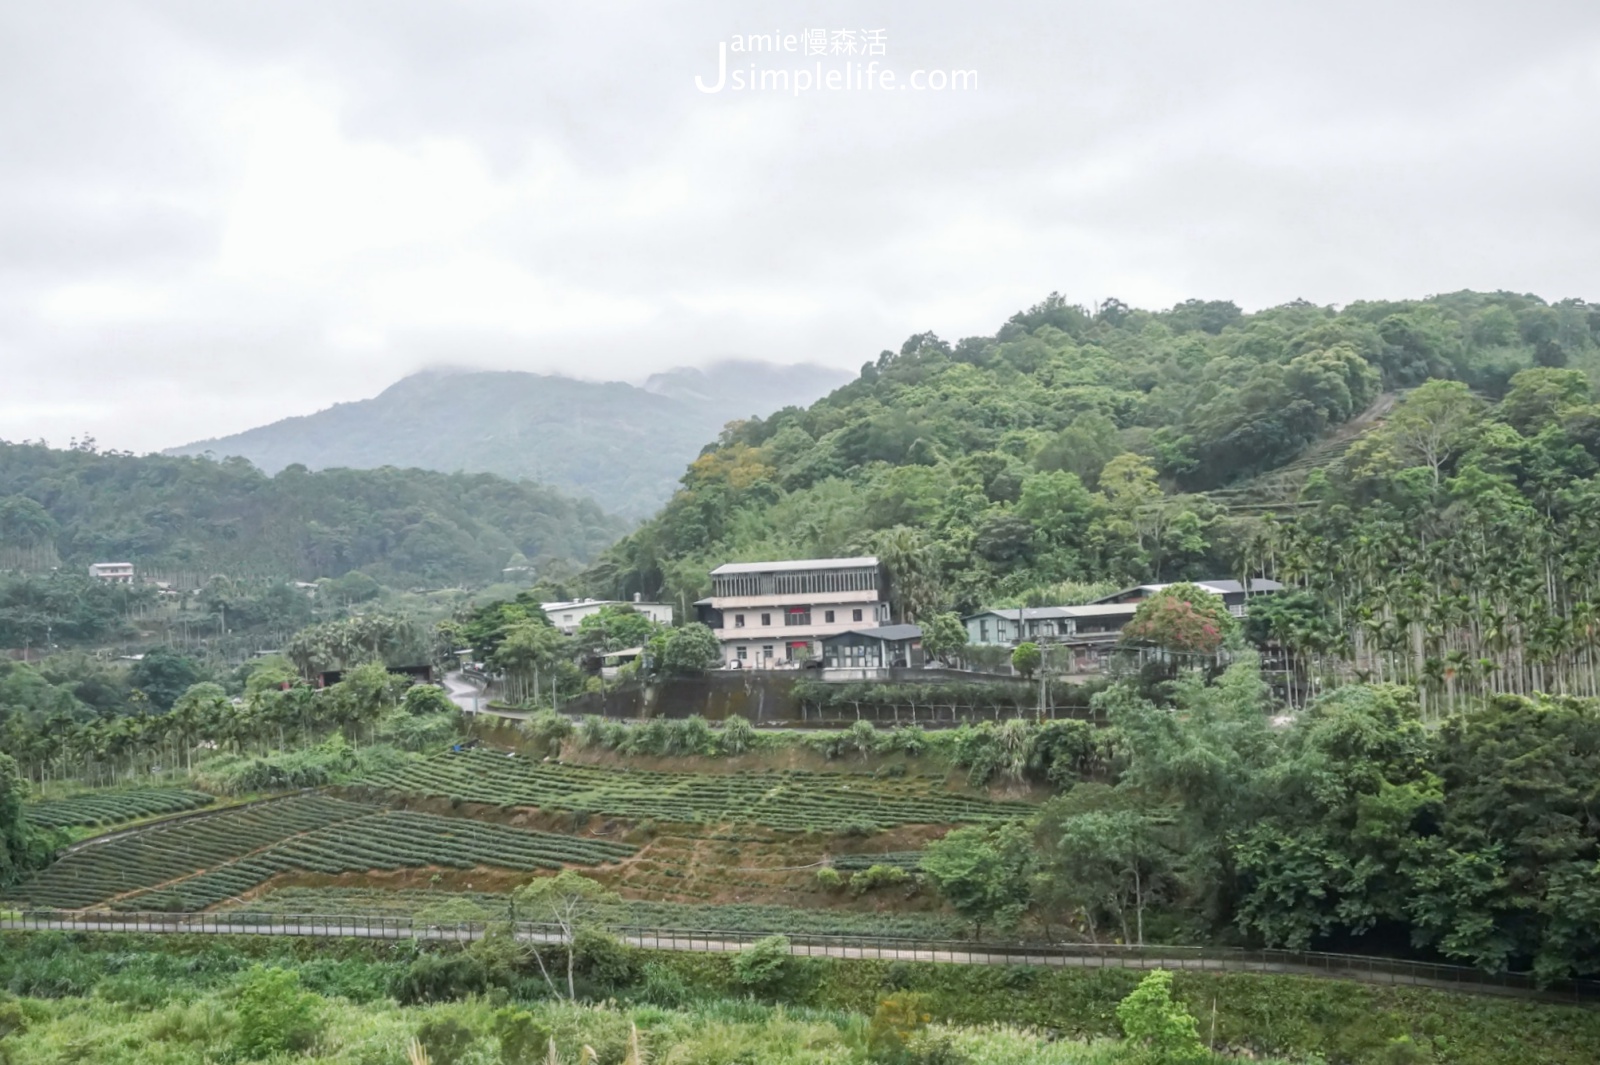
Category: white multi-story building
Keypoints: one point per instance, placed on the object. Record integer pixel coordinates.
(567, 616)
(772, 615)
(113, 572)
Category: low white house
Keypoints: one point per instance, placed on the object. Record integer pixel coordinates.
(1093, 622)
(567, 616)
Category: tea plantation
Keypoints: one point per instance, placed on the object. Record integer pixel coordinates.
(200, 863)
(793, 800)
(113, 807)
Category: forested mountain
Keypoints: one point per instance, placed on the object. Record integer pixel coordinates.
(200, 517)
(1077, 445)
(622, 445)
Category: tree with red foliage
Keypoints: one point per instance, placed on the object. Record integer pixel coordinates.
(1181, 617)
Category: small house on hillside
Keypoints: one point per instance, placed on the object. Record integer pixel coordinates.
(567, 616)
(879, 647)
(112, 572)
(1234, 593)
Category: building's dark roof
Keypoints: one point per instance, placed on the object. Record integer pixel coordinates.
(882, 632)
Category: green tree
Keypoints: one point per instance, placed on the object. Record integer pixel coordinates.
(984, 872)
(944, 636)
(16, 843)
(1181, 617)
(1158, 1025)
(1103, 856)
(1435, 423)
(1026, 658)
(163, 675)
(614, 628)
(570, 902)
(688, 649)
(276, 1016)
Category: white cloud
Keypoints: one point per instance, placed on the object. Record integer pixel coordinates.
(231, 214)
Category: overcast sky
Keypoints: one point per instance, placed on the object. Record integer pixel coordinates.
(216, 214)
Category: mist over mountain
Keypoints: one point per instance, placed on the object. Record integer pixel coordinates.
(623, 445)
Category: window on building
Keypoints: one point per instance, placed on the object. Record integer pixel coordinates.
(738, 621)
(983, 632)
(827, 616)
(855, 615)
(766, 619)
(798, 615)
(766, 652)
(740, 653)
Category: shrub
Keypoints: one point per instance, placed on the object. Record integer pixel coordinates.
(440, 978)
(764, 966)
(828, 877)
(662, 985)
(894, 1022)
(877, 876)
(523, 1040)
(12, 1018)
(133, 990)
(1165, 1029)
(689, 735)
(275, 1015)
(736, 736)
(548, 730)
(447, 1041)
(604, 959)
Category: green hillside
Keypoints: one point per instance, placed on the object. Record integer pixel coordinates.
(199, 517)
(621, 445)
(1075, 444)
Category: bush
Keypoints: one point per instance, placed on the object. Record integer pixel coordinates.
(548, 731)
(1164, 1029)
(447, 1041)
(327, 763)
(689, 735)
(764, 966)
(662, 985)
(896, 1020)
(876, 876)
(604, 959)
(275, 1015)
(523, 1041)
(828, 878)
(736, 736)
(133, 990)
(440, 978)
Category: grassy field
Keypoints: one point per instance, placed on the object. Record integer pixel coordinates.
(791, 800)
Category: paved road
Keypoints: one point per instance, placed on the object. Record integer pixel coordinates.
(463, 692)
(1354, 969)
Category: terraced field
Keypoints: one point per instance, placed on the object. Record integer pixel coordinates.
(200, 863)
(791, 800)
(909, 860)
(731, 917)
(113, 807)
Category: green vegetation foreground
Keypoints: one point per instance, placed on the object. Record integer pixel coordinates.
(115, 1000)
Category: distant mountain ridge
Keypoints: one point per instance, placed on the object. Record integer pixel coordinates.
(624, 446)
